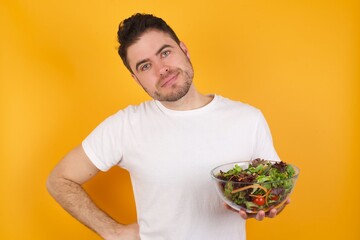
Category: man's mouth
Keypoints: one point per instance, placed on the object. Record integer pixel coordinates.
(169, 79)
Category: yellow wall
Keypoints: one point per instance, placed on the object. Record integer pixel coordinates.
(298, 61)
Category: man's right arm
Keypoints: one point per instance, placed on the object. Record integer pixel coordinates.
(65, 185)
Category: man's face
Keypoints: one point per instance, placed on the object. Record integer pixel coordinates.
(161, 66)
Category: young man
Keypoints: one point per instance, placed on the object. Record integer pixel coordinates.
(169, 145)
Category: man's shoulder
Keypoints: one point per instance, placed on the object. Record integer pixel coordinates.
(134, 110)
(236, 105)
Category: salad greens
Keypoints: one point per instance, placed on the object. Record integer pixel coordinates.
(261, 186)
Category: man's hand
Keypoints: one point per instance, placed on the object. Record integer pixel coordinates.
(261, 215)
(125, 232)
(65, 185)
(131, 232)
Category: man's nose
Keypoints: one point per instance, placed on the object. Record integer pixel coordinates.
(163, 70)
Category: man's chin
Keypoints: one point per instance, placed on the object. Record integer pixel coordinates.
(170, 98)
(174, 96)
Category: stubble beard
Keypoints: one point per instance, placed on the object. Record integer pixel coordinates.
(178, 90)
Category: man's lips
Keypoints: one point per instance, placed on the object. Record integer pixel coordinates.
(169, 79)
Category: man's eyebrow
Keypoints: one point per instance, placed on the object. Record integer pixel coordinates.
(157, 53)
(162, 48)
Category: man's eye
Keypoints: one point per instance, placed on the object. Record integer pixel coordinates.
(145, 67)
(165, 53)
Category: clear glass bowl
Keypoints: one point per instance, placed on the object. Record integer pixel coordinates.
(253, 196)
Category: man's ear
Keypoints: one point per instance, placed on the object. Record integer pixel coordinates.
(184, 49)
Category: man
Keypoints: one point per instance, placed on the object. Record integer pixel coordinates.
(168, 145)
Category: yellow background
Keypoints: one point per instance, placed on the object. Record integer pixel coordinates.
(298, 61)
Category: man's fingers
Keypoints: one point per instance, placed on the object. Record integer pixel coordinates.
(243, 214)
(272, 213)
(229, 208)
(260, 216)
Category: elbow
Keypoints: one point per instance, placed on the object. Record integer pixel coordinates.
(50, 184)
(53, 183)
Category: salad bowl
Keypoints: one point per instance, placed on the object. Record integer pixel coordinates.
(255, 185)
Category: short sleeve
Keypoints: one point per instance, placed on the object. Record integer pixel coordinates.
(104, 144)
(264, 147)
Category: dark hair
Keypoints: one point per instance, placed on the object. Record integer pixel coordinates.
(131, 29)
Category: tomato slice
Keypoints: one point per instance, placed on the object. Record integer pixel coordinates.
(260, 200)
(274, 197)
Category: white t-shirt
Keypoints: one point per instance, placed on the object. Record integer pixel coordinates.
(169, 155)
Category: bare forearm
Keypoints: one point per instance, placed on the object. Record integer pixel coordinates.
(73, 198)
